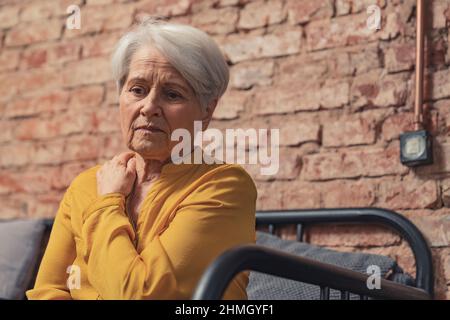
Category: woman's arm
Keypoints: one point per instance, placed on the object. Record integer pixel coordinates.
(217, 216)
(59, 255)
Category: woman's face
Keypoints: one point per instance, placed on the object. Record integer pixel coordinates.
(157, 97)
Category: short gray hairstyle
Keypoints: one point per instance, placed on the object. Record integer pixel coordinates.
(192, 52)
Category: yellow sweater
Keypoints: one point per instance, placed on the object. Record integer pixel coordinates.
(191, 215)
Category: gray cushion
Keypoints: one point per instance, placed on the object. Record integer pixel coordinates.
(20, 245)
(265, 287)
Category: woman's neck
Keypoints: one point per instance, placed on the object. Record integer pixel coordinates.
(147, 170)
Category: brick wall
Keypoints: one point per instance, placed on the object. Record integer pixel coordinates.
(340, 94)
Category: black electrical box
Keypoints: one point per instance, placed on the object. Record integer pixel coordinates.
(416, 148)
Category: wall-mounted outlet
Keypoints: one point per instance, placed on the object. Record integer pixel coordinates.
(416, 148)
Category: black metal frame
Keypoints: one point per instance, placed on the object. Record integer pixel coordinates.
(258, 258)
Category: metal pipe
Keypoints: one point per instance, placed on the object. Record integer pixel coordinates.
(420, 17)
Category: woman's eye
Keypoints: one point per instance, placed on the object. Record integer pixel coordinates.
(173, 95)
(137, 90)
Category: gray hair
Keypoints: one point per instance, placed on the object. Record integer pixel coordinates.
(190, 51)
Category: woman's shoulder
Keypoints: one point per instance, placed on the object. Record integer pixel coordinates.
(86, 181)
(230, 174)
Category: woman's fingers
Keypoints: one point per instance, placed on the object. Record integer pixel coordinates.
(131, 166)
(123, 158)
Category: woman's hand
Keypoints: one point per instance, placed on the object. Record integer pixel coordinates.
(117, 175)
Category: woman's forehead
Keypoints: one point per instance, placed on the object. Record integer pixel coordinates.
(147, 60)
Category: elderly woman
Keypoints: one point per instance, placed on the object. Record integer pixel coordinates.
(141, 226)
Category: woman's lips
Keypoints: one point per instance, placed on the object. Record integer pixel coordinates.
(148, 130)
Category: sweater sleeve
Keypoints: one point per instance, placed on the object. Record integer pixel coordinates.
(51, 280)
(218, 215)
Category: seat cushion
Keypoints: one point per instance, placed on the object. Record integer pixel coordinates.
(263, 286)
(20, 246)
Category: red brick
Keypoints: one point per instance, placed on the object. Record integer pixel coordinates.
(364, 59)
(300, 195)
(105, 120)
(435, 228)
(439, 10)
(68, 172)
(296, 130)
(44, 206)
(39, 81)
(344, 193)
(99, 2)
(10, 90)
(410, 193)
(110, 145)
(61, 124)
(392, 26)
(10, 183)
(48, 152)
(285, 99)
(19, 108)
(349, 130)
(86, 72)
(50, 54)
(334, 94)
(350, 236)
(400, 57)
(166, 8)
(6, 134)
(361, 5)
(102, 18)
(100, 45)
(86, 97)
(289, 164)
(15, 155)
(13, 207)
(261, 13)
(33, 32)
(9, 60)
(51, 103)
(352, 164)
(299, 68)
(82, 147)
(9, 16)
(255, 73)
(396, 124)
(239, 48)
(441, 85)
(41, 10)
(46, 103)
(307, 10)
(112, 94)
(343, 7)
(378, 89)
(38, 181)
(216, 21)
(338, 32)
(231, 104)
(224, 3)
(269, 195)
(441, 150)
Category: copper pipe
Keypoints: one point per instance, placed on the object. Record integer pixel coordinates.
(420, 17)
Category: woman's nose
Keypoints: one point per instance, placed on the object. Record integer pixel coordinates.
(151, 105)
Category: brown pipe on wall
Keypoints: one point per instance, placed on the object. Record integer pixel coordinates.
(418, 112)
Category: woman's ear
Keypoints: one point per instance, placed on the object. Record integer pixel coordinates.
(208, 113)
